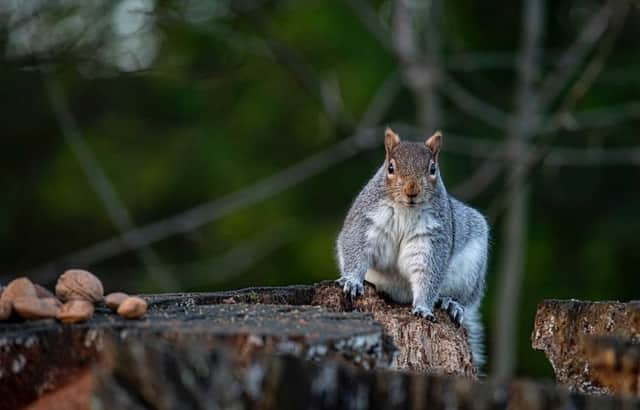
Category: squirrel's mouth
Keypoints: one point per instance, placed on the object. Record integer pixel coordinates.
(411, 203)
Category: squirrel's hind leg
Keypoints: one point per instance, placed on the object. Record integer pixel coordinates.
(453, 308)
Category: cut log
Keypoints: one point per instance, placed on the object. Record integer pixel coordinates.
(37, 357)
(314, 322)
(423, 346)
(263, 348)
(147, 374)
(592, 346)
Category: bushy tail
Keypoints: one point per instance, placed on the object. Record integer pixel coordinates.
(475, 334)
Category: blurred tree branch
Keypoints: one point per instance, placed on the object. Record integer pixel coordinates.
(555, 156)
(420, 69)
(563, 117)
(571, 60)
(367, 15)
(235, 201)
(100, 183)
(326, 93)
(558, 120)
(237, 260)
(522, 128)
(475, 106)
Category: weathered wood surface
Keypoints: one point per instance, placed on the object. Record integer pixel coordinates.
(421, 345)
(311, 322)
(262, 348)
(152, 374)
(592, 346)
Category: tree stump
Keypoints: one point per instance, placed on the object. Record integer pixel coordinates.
(314, 322)
(592, 346)
(260, 348)
(152, 374)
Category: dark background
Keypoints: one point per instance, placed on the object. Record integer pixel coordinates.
(131, 113)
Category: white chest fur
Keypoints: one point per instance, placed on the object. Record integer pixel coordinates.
(397, 232)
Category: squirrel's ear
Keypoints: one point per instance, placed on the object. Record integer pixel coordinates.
(391, 139)
(433, 143)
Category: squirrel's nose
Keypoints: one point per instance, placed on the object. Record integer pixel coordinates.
(411, 189)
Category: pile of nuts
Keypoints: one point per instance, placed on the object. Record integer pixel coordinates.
(77, 291)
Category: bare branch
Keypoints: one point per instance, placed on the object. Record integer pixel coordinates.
(563, 157)
(470, 188)
(493, 151)
(99, 181)
(563, 118)
(590, 73)
(511, 264)
(206, 213)
(601, 117)
(302, 72)
(368, 17)
(571, 60)
(380, 102)
(479, 61)
(237, 260)
(536, 157)
(403, 36)
(419, 69)
(473, 105)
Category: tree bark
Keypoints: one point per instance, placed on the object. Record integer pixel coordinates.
(592, 346)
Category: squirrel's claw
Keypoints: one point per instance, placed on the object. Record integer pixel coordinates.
(424, 312)
(454, 309)
(351, 287)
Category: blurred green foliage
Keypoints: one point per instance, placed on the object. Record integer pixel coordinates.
(215, 112)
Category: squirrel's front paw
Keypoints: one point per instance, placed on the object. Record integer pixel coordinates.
(454, 309)
(424, 312)
(351, 287)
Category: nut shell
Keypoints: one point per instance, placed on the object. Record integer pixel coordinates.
(132, 307)
(78, 284)
(75, 311)
(35, 308)
(113, 300)
(17, 288)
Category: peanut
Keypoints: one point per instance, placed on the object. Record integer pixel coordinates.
(75, 311)
(34, 308)
(21, 287)
(113, 300)
(132, 308)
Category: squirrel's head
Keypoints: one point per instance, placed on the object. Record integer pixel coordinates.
(411, 168)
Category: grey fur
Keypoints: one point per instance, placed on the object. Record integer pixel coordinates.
(431, 253)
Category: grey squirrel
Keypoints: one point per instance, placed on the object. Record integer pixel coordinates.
(407, 236)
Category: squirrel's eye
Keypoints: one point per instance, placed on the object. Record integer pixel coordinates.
(390, 169)
(432, 169)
